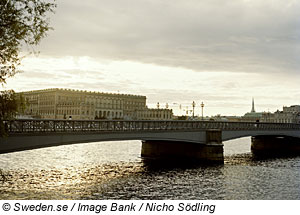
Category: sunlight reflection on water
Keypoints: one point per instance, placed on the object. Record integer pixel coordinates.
(114, 170)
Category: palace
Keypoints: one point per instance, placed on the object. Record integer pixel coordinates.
(86, 105)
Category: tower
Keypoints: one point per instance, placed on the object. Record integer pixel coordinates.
(253, 109)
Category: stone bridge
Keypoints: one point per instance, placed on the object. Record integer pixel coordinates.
(200, 140)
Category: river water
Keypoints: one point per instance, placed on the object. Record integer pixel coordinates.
(114, 170)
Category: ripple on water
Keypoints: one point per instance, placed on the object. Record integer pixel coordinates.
(87, 174)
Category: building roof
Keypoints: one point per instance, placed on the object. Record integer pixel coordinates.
(81, 91)
(253, 114)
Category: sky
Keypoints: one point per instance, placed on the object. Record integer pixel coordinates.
(219, 52)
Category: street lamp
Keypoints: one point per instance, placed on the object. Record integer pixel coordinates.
(193, 104)
(202, 106)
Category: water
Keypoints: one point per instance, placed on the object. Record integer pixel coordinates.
(114, 170)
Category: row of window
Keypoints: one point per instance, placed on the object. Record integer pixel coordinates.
(100, 100)
(108, 114)
(154, 115)
(101, 114)
(46, 112)
(284, 120)
(45, 103)
(112, 106)
(68, 112)
(101, 105)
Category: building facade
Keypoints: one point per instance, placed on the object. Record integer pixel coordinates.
(287, 115)
(86, 105)
(155, 114)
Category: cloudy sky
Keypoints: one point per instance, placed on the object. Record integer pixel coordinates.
(220, 52)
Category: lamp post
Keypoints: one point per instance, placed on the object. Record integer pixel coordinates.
(193, 104)
(202, 107)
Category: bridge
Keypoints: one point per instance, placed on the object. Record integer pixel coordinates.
(201, 140)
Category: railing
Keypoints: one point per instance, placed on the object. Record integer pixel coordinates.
(36, 126)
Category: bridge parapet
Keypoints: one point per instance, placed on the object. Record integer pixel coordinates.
(48, 126)
(200, 140)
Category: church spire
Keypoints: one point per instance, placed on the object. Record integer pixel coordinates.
(253, 109)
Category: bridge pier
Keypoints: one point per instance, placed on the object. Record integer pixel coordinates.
(275, 145)
(209, 152)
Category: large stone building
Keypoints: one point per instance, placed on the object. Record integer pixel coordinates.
(75, 104)
(287, 115)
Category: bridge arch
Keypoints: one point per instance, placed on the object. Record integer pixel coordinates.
(234, 134)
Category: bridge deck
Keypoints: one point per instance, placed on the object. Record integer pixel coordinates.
(30, 134)
(51, 126)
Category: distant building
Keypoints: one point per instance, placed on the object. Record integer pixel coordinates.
(77, 104)
(155, 114)
(252, 116)
(267, 117)
(292, 109)
(287, 115)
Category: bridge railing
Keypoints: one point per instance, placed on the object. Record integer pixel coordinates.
(35, 126)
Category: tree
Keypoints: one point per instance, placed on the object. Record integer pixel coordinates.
(22, 22)
(10, 104)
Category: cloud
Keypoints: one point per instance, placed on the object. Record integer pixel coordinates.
(220, 52)
(222, 92)
(208, 35)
